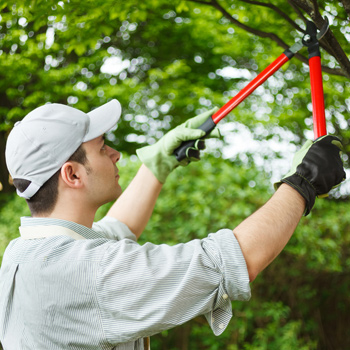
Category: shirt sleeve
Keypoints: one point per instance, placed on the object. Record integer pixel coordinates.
(114, 229)
(143, 290)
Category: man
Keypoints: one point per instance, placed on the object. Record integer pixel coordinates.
(69, 283)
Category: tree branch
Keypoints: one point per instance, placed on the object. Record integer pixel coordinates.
(346, 4)
(201, 2)
(317, 15)
(316, 9)
(333, 46)
(297, 10)
(248, 29)
(305, 5)
(338, 17)
(329, 42)
(278, 10)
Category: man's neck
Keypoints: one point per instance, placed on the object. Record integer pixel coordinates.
(83, 217)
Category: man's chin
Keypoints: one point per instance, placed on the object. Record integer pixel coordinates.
(116, 194)
(119, 192)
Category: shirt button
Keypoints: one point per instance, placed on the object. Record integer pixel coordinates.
(225, 296)
(221, 326)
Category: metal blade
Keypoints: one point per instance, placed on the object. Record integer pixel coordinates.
(323, 30)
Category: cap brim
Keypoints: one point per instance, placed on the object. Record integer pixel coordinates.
(103, 119)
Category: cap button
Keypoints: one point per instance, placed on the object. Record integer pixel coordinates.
(17, 123)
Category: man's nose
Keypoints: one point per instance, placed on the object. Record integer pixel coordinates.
(114, 154)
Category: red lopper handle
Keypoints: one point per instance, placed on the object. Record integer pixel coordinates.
(245, 92)
(318, 111)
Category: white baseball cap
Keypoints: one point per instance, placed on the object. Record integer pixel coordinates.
(45, 139)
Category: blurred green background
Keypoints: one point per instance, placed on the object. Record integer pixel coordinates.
(166, 62)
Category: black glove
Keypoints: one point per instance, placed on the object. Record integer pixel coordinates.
(316, 169)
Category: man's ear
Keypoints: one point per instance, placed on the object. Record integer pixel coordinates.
(72, 174)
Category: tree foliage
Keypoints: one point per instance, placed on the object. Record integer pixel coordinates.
(165, 62)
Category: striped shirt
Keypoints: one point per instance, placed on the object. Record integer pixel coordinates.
(109, 292)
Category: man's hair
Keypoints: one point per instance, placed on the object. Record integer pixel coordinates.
(44, 201)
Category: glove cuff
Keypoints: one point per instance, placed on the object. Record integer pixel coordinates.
(305, 189)
(160, 164)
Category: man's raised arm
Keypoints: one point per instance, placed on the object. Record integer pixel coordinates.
(316, 169)
(135, 206)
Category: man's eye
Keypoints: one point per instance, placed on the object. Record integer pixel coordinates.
(103, 147)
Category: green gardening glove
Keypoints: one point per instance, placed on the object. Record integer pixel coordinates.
(316, 169)
(159, 157)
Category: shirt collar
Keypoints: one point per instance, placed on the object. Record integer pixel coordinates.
(84, 231)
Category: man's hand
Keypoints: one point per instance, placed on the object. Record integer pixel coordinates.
(159, 157)
(316, 169)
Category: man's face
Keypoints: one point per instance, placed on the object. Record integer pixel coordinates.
(102, 178)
